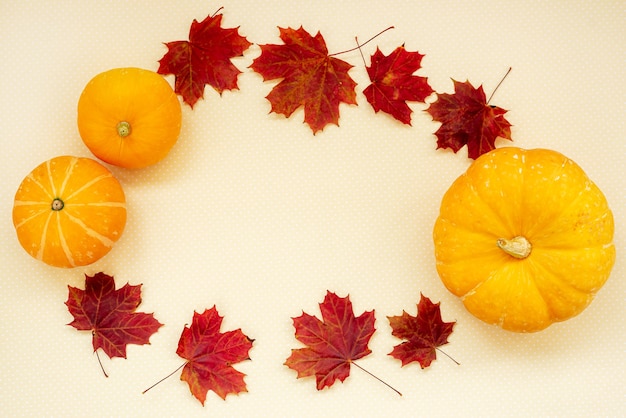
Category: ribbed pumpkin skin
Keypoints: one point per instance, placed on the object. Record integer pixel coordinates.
(91, 220)
(140, 98)
(544, 197)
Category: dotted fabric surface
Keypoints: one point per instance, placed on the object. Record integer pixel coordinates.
(252, 213)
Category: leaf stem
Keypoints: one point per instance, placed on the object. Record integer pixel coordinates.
(216, 12)
(364, 43)
(379, 379)
(360, 51)
(494, 90)
(101, 366)
(447, 355)
(169, 375)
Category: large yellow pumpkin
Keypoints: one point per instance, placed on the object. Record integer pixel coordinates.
(69, 211)
(129, 117)
(525, 238)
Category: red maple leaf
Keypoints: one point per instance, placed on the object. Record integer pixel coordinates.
(310, 78)
(424, 333)
(210, 355)
(467, 118)
(204, 59)
(110, 314)
(393, 83)
(333, 344)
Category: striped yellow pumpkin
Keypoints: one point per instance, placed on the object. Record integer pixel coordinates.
(69, 211)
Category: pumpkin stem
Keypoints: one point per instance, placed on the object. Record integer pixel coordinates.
(57, 204)
(123, 128)
(517, 247)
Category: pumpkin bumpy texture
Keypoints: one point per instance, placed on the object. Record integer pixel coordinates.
(537, 197)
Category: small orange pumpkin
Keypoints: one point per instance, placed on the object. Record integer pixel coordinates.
(524, 238)
(69, 211)
(129, 117)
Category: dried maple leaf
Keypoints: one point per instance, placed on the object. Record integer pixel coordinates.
(110, 314)
(210, 355)
(333, 344)
(310, 78)
(467, 118)
(393, 83)
(204, 59)
(424, 333)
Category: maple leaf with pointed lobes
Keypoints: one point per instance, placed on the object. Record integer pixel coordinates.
(110, 314)
(424, 333)
(204, 59)
(310, 78)
(466, 118)
(332, 344)
(210, 355)
(393, 83)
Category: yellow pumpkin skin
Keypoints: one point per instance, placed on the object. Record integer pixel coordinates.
(69, 211)
(129, 117)
(548, 200)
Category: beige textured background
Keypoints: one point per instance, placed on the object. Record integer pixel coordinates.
(254, 214)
